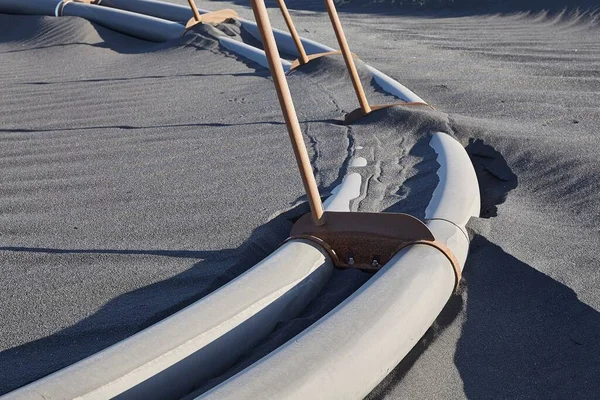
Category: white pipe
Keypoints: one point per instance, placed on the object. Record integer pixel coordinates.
(133, 24)
(198, 342)
(129, 23)
(350, 350)
(203, 339)
(456, 197)
(284, 40)
(286, 44)
(159, 9)
(31, 7)
(249, 52)
(392, 311)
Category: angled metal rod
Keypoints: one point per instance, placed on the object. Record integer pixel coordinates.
(341, 38)
(289, 112)
(302, 58)
(194, 10)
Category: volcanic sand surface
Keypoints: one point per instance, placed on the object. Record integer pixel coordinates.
(138, 177)
(521, 92)
(521, 89)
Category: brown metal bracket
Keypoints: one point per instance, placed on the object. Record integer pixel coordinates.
(367, 241)
(213, 17)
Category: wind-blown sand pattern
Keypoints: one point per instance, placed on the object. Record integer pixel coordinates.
(137, 178)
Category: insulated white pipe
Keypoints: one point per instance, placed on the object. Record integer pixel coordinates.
(159, 9)
(456, 197)
(129, 368)
(205, 338)
(133, 24)
(200, 341)
(284, 40)
(349, 351)
(129, 23)
(31, 7)
(249, 52)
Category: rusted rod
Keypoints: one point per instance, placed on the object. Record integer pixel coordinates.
(194, 10)
(303, 58)
(289, 112)
(341, 38)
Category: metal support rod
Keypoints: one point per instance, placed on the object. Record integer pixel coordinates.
(194, 10)
(289, 112)
(303, 58)
(341, 38)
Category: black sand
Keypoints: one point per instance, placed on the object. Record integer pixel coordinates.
(115, 213)
(139, 177)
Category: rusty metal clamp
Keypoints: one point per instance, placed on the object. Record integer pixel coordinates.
(213, 17)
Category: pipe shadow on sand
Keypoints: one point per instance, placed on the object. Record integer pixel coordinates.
(525, 333)
(30, 361)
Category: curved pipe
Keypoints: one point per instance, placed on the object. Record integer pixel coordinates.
(200, 341)
(250, 52)
(284, 40)
(286, 44)
(387, 315)
(407, 300)
(457, 184)
(159, 9)
(350, 350)
(31, 7)
(205, 338)
(133, 24)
